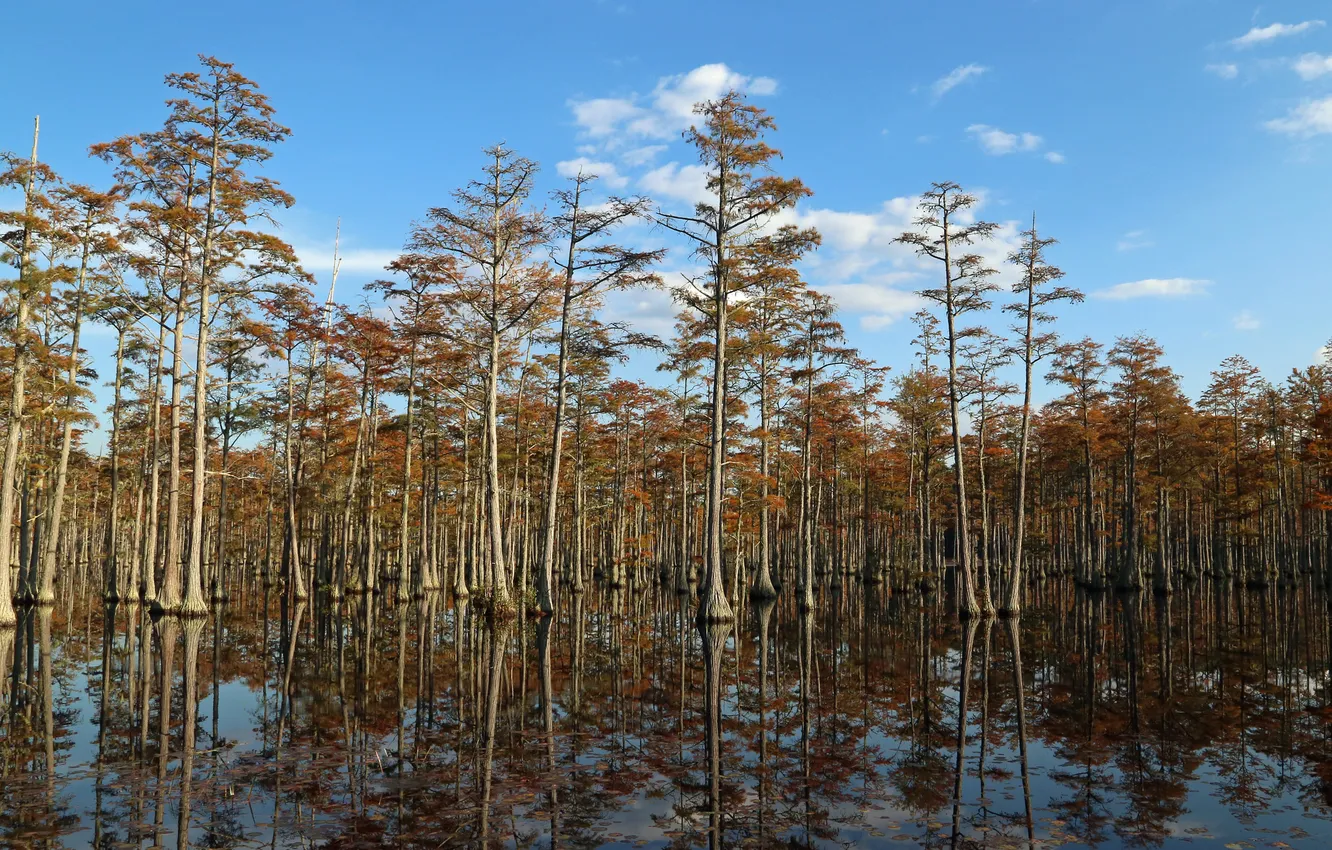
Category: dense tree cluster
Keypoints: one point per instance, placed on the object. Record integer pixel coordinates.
(472, 435)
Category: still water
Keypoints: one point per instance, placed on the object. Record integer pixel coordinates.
(1202, 719)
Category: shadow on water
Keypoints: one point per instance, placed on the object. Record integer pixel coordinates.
(873, 720)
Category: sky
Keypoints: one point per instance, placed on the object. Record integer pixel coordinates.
(1179, 150)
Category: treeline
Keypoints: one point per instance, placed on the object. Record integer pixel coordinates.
(474, 438)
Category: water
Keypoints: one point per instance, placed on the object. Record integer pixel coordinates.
(1199, 720)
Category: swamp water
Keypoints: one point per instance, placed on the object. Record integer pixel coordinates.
(1201, 719)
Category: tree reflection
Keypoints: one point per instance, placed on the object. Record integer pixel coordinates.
(1093, 719)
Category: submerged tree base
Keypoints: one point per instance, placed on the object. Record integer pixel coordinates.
(714, 608)
(763, 589)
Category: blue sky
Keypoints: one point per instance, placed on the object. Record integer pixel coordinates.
(1180, 150)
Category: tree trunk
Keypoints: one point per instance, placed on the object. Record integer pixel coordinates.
(17, 388)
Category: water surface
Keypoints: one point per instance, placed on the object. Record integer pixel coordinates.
(1200, 719)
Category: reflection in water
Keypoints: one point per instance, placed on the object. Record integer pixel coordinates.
(1020, 702)
(959, 772)
(763, 609)
(714, 644)
(193, 634)
(874, 719)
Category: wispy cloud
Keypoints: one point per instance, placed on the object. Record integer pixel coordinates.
(1134, 240)
(955, 78)
(641, 156)
(1224, 70)
(1171, 287)
(1245, 320)
(583, 165)
(319, 258)
(1311, 66)
(650, 311)
(1056, 157)
(1311, 118)
(1271, 32)
(996, 142)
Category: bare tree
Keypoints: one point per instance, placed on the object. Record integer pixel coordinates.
(942, 228)
(1033, 346)
(589, 265)
(492, 234)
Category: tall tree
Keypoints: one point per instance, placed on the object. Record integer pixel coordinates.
(492, 233)
(1080, 367)
(1142, 377)
(870, 405)
(1230, 395)
(230, 122)
(817, 347)
(196, 208)
(293, 318)
(984, 355)
(1038, 285)
(589, 264)
(727, 229)
(121, 314)
(21, 230)
(418, 315)
(943, 227)
(92, 226)
(920, 403)
(158, 172)
(766, 321)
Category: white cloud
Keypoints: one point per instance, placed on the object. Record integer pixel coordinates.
(1245, 320)
(1311, 66)
(870, 275)
(641, 156)
(1224, 70)
(683, 183)
(1173, 287)
(603, 115)
(604, 170)
(668, 109)
(877, 305)
(319, 258)
(955, 78)
(996, 142)
(674, 97)
(650, 311)
(867, 272)
(1271, 32)
(1056, 157)
(1311, 118)
(858, 230)
(1133, 240)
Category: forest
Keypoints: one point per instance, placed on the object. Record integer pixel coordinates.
(460, 440)
(472, 435)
